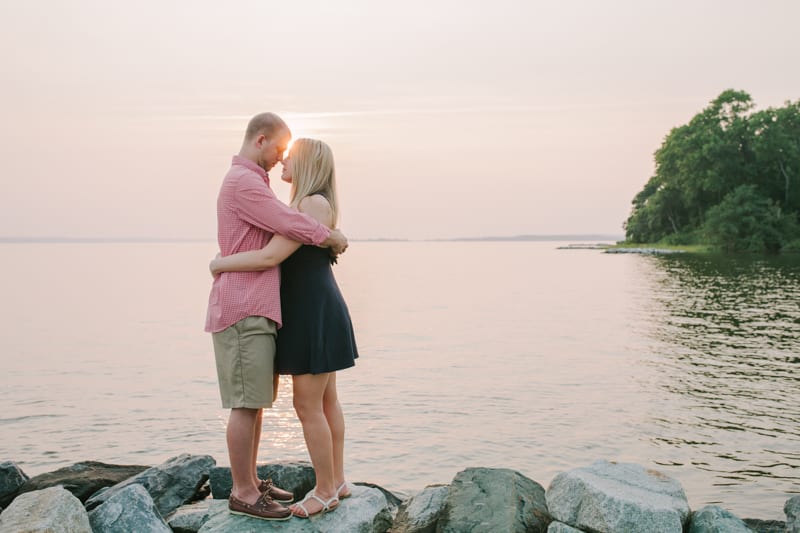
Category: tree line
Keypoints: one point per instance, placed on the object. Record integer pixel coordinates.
(729, 178)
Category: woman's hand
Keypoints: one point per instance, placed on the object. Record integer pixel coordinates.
(212, 266)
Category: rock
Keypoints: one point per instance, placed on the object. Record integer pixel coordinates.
(391, 498)
(618, 497)
(421, 512)
(170, 484)
(558, 527)
(792, 510)
(366, 511)
(492, 500)
(643, 251)
(585, 246)
(127, 510)
(83, 479)
(11, 479)
(297, 477)
(715, 519)
(765, 526)
(203, 492)
(52, 510)
(189, 518)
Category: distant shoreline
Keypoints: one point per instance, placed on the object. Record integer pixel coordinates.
(143, 240)
(551, 238)
(90, 240)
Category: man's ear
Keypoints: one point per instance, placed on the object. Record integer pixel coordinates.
(260, 140)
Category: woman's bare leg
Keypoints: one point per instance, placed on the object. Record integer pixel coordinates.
(335, 418)
(308, 393)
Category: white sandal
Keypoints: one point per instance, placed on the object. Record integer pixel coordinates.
(344, 485)
(326, 505)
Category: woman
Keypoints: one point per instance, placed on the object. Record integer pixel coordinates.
(317, 337)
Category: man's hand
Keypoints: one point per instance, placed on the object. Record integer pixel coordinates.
(336, 241)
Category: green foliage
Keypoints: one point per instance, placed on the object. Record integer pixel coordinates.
(745, 221)
(791, 247)
(684, 238)
(701, 164)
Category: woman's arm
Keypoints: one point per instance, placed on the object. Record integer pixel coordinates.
(278, 248)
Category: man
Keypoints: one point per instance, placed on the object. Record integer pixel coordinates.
(244, 309)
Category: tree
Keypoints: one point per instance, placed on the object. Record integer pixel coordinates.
(745, 221)
(777, 147)
(700, 164)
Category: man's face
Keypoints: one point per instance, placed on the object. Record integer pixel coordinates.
(272, 150)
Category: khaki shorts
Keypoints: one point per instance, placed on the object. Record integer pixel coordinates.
(245, 355)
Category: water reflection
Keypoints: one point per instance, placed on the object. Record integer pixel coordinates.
(520, 356)
(727, 333)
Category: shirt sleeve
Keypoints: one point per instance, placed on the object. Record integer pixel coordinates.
(258, 205)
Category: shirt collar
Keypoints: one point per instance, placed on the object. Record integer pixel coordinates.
(243, 161)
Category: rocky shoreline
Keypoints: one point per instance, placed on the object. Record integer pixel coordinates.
(188, 494)
(613, 249)
(643, 251)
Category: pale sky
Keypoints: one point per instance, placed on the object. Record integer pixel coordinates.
(447, 118)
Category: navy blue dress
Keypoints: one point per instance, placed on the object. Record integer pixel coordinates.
(317, 334)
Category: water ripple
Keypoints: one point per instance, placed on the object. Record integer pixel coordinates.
(28, 418)
(727, 331)
(529, 358)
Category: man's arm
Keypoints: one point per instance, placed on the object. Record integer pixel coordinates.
(336, 241)
(278, 248)
(258, 205)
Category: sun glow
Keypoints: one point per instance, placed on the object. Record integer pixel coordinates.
(306, 125)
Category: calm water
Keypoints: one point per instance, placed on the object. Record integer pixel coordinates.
(510, 355)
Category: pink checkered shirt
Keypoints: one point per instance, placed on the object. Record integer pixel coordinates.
(248, 214)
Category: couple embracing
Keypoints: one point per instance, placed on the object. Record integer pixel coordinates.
(275, 309)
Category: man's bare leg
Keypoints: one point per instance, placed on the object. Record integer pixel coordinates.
(257, 436)
(256, 442)
(240, 436)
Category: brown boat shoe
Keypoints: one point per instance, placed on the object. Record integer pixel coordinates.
(275, 492)
(265, 508)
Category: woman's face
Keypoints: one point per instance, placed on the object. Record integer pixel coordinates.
(286, 174)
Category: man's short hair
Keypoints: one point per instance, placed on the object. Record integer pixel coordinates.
(267, 124)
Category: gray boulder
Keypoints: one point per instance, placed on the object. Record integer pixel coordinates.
(618, 497)
(491, 500)
(366, 511)
(392, 499)
(421, 512)
(171, 484)
(52, 510)
(127, 510)
(558, 527)
(715, 519)
(83, 479)
(189, 518)
(643, 251)
(12, 478)
(765, 526)
(296, 477)
(792, 510)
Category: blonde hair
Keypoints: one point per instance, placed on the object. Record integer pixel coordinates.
(313, 173)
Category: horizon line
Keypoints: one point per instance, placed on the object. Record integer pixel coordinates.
(518, 237)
